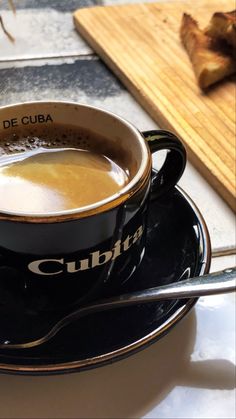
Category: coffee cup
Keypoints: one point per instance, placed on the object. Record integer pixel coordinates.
(75, 187)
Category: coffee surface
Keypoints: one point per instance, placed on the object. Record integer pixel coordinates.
(58, 167)
(45, 180)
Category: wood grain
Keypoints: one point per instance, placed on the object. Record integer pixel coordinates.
(141, 44)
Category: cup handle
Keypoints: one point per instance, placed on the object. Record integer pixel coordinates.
(174, 164)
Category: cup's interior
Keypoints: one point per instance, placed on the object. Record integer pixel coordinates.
(97, 130)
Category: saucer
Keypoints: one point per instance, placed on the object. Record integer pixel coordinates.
(178, 247)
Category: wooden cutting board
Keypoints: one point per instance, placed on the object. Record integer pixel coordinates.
(140, 43)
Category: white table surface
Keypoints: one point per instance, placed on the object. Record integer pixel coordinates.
(190, 373)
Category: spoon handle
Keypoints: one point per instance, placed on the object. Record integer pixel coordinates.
(214, 283)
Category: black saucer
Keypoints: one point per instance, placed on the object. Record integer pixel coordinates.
(178, 247)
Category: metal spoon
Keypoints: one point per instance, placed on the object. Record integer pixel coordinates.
(214, 283)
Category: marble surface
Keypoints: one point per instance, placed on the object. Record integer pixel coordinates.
(191, 372)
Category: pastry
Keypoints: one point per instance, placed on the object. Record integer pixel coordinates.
(223, 26)
(211, 59)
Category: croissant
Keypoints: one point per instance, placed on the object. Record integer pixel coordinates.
(211, 60)
(223, 26)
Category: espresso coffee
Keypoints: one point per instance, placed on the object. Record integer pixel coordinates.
(55, 170)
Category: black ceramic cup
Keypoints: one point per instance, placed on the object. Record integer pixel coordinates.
(62, 259)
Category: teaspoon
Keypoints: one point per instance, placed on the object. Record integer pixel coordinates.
(210, 284)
